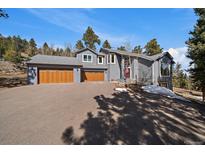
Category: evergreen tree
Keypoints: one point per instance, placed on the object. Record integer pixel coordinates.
(152, 48)
(180, 79)
(68, 52)
(137, 49)
(33, 48)
(90, 38)
(106, 44)
(196, 51)
(3, 14)
(2, 46)
(45, 49)
(79, 45)
(122, 48)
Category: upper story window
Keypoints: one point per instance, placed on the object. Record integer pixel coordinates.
(165, 67)
(87, 58)
(100, 60)
(111, 58)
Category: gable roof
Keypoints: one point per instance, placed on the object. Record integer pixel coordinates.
(54, 60)
(84, 49)
(120, 52)
(160, 55)
(150, 58)
(127, 53)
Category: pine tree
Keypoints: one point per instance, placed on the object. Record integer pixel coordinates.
(90, 38)
(32, 46)
(122, 48)
(45, 49)
(196, 51)
(152, 48)
(106, 44)
(3, 14)
(79, 45)
(180, 79)
(137, 49)
(68, 52)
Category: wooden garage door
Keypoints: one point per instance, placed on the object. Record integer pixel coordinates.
(55, 76)
(93, 76)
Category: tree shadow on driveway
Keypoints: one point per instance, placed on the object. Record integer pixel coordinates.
(136, 117)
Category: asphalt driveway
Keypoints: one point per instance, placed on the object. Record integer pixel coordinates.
(39, 114)
(92, 113)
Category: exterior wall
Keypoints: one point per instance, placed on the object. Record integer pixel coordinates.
(145, 71)
(79, 56)
(106, 75)
(135, 68)
(32, 73)
(77, 74)
(156, 72)
(114, 70)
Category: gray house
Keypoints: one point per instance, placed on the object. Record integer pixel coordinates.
(105, 65)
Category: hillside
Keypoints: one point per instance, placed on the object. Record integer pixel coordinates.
(12, 75)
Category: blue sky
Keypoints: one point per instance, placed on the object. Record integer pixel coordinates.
(119, 26)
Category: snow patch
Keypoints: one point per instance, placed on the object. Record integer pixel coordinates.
(121, 89)
(154, 89)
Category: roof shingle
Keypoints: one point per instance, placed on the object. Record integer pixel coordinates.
(54, 60)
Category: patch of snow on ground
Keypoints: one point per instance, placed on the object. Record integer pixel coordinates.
(154, 89)
(121, 89)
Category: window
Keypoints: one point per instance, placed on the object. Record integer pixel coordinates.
(165, 67)
(111, 59)
(100, 60)
(87, 58)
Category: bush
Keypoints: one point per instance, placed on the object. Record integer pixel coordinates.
(13, 57)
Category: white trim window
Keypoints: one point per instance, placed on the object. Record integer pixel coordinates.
(100, 60)
(111, 58)
(87, 58)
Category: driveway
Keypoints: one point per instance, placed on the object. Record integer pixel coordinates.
(39, 114)
(92, 113)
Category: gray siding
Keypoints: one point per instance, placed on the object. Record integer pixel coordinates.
(114, 69)
(156, 72)
(145, 71)
(135, 68)
(79, 56)
(77, 74)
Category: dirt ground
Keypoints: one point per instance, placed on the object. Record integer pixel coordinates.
(190, 94)
(92, 113)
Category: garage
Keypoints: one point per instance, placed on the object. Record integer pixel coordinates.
(46, 69)
(92, 75)
(55, 76)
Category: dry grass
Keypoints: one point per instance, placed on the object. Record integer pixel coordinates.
(190, 94)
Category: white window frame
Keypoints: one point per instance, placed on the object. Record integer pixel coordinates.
(102, 59)
(87, 58)
(109, 58)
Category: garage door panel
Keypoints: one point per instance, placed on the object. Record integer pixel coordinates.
(93, 76)
(55, 76)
